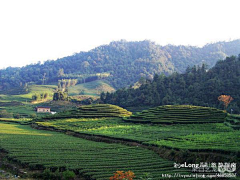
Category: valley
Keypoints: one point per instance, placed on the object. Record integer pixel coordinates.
(148, 128)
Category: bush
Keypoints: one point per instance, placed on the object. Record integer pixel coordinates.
(5, 114)
(68, 175)
(33, 116)
(48, 174)
(121, 175)
(16, 116)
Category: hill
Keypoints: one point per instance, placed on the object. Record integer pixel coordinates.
(197, 86)
(92, 111)
(179, 114)
(121, 63)
(16, 103)
(93, 88)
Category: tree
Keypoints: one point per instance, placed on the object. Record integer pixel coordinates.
(226, 99)
(44, 78)
(45, 96)
(121, 175)
(60, 72)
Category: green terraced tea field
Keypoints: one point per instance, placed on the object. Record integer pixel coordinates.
(213, 136)
(98, 160)
(97, 110)
(227, 141)
(175, 114)
(233, 121)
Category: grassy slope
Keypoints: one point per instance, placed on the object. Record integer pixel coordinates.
(24, 107)
(33, 89)
(91, 88)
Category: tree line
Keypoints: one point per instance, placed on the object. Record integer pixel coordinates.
(125, 61)
(197, 86)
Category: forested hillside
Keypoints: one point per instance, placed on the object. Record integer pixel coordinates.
(197, 86)
(123, 62)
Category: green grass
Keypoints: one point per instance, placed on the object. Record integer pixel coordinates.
(175, 114)
(23, 98)
(20, 121)
(93, 88)
(98, 160)
(20, 104)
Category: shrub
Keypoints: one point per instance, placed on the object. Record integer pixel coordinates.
(121, 175)
(5, 114)
(67, 175)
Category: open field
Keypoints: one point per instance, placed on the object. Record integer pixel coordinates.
(33, 89)
(21, 105)
(93, 88)
(98, 160)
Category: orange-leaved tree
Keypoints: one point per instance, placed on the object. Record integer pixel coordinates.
(121, 175)
(226, 99)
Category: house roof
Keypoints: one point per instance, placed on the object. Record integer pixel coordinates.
(44, 107)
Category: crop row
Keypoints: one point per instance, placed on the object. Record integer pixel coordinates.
(97, 110)
(49, 149)
(220, 135)
(178, 114)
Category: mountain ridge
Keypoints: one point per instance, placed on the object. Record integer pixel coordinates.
(126, 61)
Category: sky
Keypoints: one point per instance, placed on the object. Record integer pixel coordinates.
(40, 30)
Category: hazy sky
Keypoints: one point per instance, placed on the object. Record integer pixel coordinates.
(39, 30)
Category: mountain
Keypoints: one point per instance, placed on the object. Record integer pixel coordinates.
(123, 62)
(197, 86)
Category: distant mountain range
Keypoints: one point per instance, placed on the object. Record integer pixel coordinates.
(124, 62)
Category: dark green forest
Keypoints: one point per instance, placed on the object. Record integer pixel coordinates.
(197, 86)
(125, 62)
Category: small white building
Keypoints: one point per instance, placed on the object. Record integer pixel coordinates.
(43, 109)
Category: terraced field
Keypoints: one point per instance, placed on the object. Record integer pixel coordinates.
(227, 141)
(200, 137)
(98, 160)
(96, 111)
(19, 121)
(233, 121)
(175, 114)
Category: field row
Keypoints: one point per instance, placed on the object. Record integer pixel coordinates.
(214, 136)
(177, 114)
(95, 159)
(97, 110)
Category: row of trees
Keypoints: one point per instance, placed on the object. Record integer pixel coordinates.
(66, 83)
(198, 86)
(39, 97)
